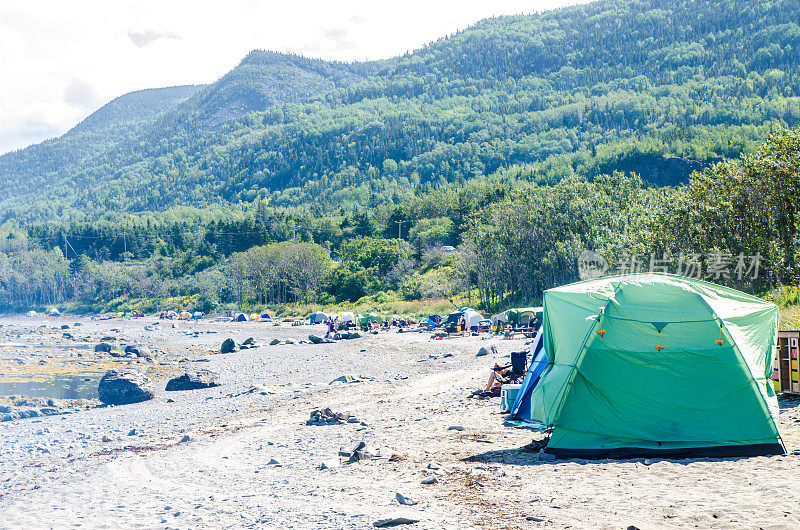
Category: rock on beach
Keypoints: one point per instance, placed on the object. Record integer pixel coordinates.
(193, 380)
(122, 387)
(229, 346)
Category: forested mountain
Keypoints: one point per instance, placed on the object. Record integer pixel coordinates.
(124, 117)
(264, 79)
(130, 126)
(638, 85)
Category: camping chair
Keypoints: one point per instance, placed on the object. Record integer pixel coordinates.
(519, 365)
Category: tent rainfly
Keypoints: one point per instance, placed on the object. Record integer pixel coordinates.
(472, 318)
(363, 320)
(318, 317)
(241, 317)
(347, 317)
(654, 364)
(515, 314)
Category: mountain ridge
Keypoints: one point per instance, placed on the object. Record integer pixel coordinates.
(564, 92)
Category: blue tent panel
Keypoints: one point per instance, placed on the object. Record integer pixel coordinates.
(539, 363)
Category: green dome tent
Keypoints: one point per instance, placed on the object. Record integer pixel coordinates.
(363, 320)
(655, 364)
(515, 314)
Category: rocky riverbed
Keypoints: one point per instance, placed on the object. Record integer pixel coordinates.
(394, 440)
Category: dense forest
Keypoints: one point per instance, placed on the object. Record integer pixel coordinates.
(475, 170)
(514, 240)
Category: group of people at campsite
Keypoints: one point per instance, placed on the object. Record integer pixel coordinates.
(183, 315)
(336, 325)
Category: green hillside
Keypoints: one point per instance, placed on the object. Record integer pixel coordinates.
(655, 87)
(127, 116)
(141, 124)
(264, 79)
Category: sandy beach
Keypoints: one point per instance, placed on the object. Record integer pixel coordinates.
(248, 458)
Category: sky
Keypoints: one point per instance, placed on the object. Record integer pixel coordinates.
(62, 60)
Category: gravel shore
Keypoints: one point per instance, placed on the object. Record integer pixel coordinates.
(242, 455)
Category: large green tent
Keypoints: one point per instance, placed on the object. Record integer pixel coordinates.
(655, 364)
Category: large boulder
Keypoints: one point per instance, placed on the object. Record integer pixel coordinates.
(192, 380)
(121, 387)
(229, 346)
(103, 347)
(315, 339)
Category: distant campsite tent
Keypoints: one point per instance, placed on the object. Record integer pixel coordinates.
(32, 313)
(516, 315)
(254, 317)
(426, 323)
(197, 315)
(363, 320)
(184, 315)
(347, 317)
(471, 317)
(318, 317)
(654, 364)
(264, 317)
(53, 312)
(171, 314)
(241, 317)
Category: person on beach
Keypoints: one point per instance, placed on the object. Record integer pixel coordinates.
(500, 375)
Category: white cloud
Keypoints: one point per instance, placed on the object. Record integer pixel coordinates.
(63, 60)
(143, 38)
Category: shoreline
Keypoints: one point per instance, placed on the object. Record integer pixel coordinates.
(251, 460)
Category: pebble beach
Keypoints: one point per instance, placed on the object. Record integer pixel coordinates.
(412, 448)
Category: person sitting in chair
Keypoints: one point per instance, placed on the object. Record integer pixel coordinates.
(503, 375)
(500, 375)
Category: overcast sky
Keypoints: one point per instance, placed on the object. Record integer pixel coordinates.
(61, 60)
